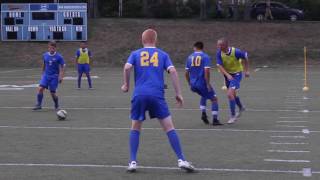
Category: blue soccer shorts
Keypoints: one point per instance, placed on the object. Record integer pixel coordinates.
(203, 91)
(49, 82)
(83, 68)
(235, 83)
(156, 106)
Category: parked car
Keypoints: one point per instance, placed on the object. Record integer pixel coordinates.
(278, 10)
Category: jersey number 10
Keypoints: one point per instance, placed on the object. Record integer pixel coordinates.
(146, 60)
(196, 61)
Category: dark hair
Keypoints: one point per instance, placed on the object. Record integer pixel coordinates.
(198, 45)
(84, 42)
(52, 43)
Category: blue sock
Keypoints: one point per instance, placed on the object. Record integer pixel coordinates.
(232, 104)
(89, 80)
(56, 101)
(238, 102)
(215, 109)
(175, 143)
(134, 144)
(203, 104)
(39, 99)
(79, 80)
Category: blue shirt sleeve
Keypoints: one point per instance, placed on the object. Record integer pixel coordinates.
(89, 53)
(167, 62)
(207, 61)
(188, 63)
(219, 59)
(131, 59)
(241, 54)
(61, 60)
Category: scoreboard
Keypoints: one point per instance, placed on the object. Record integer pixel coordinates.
(44, 22)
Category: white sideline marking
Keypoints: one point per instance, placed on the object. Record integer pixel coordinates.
(257, 69)
(174, 109)
(106, 128)
(16, 70)
(9, 89)
(287, 151)
(295, 137)
(288, 143)
(291, 126)
(18, 86)
(292, 102)
(307, 172)
(295, 117)
(287, 160)
(75, 78)
(155, 167)
(304, 111)
(305, 131)
(291, 121)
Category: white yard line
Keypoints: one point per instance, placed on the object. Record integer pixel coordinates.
(303, 172)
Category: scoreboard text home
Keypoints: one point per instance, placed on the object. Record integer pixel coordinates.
(44, 22)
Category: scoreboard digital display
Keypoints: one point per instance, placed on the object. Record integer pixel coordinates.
(44, 22)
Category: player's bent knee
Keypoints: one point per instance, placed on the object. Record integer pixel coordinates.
(136, 125)
(167, 124)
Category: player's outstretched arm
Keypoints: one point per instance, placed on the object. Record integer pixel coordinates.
(207, 78)
(61, 72)
(43, 67)
(176, 84)
(187, 76)
(224, 72)
(126, 77)
(245, 64)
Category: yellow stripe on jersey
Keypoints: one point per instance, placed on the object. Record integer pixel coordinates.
(230, 62)
(84, 57)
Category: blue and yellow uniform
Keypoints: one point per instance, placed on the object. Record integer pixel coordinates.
(149, 65)
(196, 64)
(83, 60)
(50, 77)
(231, 62)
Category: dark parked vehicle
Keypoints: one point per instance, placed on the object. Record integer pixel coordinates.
(278, 10)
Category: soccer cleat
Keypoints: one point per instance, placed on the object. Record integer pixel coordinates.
(37, 107)
(232, 120)
(204, 118)
(216, 122)
(185, 165)
(91, 88)
(132, 167)
(238, 114)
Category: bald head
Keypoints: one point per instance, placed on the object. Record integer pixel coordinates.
(149, 37)
(222, 44)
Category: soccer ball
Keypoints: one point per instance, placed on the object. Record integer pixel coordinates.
(62, 115)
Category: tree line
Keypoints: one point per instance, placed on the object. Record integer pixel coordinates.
(205, 9)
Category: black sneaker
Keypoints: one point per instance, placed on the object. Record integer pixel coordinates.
(204, 118)
(216, 122)
(37, 107)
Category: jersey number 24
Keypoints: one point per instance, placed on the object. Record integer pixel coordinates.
(149, 60)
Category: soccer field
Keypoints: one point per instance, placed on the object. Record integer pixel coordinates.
(276, 138)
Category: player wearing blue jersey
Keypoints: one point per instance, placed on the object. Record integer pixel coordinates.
(231, 63)
(83, 61)
(149, 64)
(52, 75)
(197, 74)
